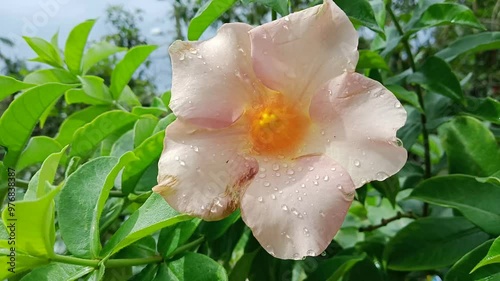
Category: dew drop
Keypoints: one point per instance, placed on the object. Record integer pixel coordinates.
(213, 209)
(357, 163)
(306, 231)
(176, 158)
(317, 177)
(286, 18)
(326, 178)
(323, 254)
(322, 132)
(296, 256)
(262, 175)
(311, 168)
(296, 191)
(277, 174)
(290, 172)
(182, 57)
(315, 182)
(300, 198)
(339, 186)
(333, 169)
(280, 192)
(276, 167)
(266, 184)
(193, 51)
(311, 253)
(273, 196)
(321, 213)
(303, 185)
(295, 212)
(182, 163)
(397, 104)
(381, 176)
(284, 207)
(262, 169)
(260, 199)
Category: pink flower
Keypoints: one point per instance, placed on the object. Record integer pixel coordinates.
(275, 121)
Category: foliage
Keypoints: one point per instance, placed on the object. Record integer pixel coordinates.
(88, 211)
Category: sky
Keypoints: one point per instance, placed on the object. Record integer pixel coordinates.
(43, 18)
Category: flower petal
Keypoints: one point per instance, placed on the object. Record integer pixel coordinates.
(295, 207)
(211, 79)
(357, 119)
(297, 54)
(200, 171)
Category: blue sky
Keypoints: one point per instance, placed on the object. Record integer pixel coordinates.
(42, 18)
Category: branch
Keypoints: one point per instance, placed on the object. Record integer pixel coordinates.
(385, 222)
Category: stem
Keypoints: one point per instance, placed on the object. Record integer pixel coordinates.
(274, 16)
(75, 260)
(385, 222)
(116, 193)
(109, 263)
(132, 262)
(22, 183)
(423, 119)
(187, 247)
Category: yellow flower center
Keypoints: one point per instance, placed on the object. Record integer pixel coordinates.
(277, 127)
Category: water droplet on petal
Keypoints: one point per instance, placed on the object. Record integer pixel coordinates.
(357, 163)
(193, 51)
(397, 104)
(381, 176)
(303, 185)
(339, 186)
(326, 178)
(322, 213)
(276, 167)
(323, 132)
(182, 163)
(317, 177)
(296, 256)
(213, 209)
(311, 253)
(262, 175)
(295, 212)
(286, 18)
(196, 149)
(176, 158)
(273, 196)
(260, 199)
(290, 172)
(182, 57)
(323, 254)
(315, 182)
(306, 231)
(311, 168)
(284, 207)
(277, 174)
(266, 184)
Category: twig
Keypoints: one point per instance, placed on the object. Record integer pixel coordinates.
(385, 222)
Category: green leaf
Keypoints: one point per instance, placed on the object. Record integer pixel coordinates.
(213, 230)
(76, 121)
(23, 263)
(471, 148)
(155, 111)
(206, 15)
(404, 95)
(51, 75)
(97, 176)
(414, 247)
(461, 270)
(73, 96)
(97, 53)
(493, 255)
(476, 201)
(334, 268)
(21, 116)
(75, 45)
(484, 108)
(37, 149)
(242, 267)
(364, 270)
(89, 136)
(164, 122)
(389, 188)
(154, 215)
(143, 129)
(9, 85)
(147, 153)
(94, 87)
(46, 52)
(123, 144)
(46, 174)
(280, 6)
(436, 75)
(172, 237)
(34, 225)
(127, 66)
(445, 14)
(58, 272)
(370, 59)
(472, 43)
(196, 267)
(360, 11)
(147, 273)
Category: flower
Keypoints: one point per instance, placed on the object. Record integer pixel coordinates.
(273, 120)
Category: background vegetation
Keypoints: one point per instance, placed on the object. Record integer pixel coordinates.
(83, 133)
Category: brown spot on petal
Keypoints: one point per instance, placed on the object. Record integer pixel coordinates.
(233, 191)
